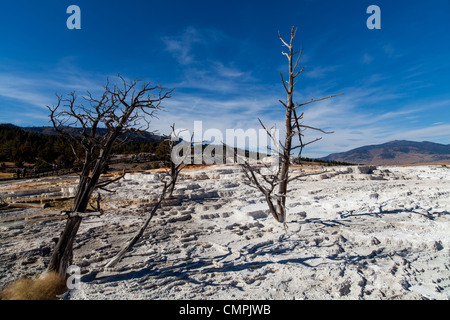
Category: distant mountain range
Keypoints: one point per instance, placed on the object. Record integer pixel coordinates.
(140, 136)
(396, 152)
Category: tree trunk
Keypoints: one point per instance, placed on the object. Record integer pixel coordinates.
(286, 157)
(63, 252)
(174, 176)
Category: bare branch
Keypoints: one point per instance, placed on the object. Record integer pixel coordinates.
(275, 142)
(284, 83)
(103, 184)
(284, 104)
(284, 42)
(298, 59)
(72, 214)
(317, 129)
(296, 75)
(315, 100)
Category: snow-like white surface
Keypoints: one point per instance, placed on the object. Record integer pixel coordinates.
(350, 235)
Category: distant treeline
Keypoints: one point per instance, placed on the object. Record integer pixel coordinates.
(327, 162)
(19, 146)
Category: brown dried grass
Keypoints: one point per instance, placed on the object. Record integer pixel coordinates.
(45, 287)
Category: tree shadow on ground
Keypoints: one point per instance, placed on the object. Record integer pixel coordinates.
(189, 270)
(383, 212)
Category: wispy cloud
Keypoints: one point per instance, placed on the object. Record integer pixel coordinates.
(367, 58)
(353, 126)
(23, 89)
(220, 93)
(320, 72)
(391, 52)
(181, 46)
(26, 96)
(195, 50)
(192, 44)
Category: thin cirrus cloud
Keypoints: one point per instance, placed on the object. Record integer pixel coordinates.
(181, 47)
(321, 71)
(33, 92)
(367, 58)
(353, 126)
(187, 46)
(197, 53)
(23, 89)
(217, 92)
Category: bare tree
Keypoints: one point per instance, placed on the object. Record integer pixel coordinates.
(168, 181)
(174, 167)
(268, 180)
(121, 109)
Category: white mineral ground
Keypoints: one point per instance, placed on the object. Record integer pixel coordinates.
(351, 234)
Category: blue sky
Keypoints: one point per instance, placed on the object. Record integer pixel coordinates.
(224, 57)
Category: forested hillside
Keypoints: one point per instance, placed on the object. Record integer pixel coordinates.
(43, 150)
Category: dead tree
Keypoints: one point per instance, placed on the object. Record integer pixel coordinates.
(174, 167)
(96, 125)
(168, 181)
(278, 179)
